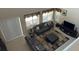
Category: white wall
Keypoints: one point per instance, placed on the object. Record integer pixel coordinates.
(6, 13)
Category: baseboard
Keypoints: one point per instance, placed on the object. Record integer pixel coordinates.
(15, 38)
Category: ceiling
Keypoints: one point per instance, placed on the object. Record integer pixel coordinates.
(14, 12)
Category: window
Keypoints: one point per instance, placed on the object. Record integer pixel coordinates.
(47, 16)
(32, 20)
(57, 16)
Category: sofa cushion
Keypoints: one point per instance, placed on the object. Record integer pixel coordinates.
(43, 27)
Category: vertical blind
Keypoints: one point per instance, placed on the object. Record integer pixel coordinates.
(47, 16)
(58, 16)
(32, 20)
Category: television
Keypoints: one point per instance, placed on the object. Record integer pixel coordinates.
(69, 25)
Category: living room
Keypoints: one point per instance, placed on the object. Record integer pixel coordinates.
(15, 26)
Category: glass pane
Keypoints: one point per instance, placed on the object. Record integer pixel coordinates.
(29, 23)
(35, 19)
(57, 16)
(50, 16)
(28, 19)
(45, 17)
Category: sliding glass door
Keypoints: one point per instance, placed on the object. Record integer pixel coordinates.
(11, 28)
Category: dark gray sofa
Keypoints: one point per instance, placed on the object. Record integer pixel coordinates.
(43, 27)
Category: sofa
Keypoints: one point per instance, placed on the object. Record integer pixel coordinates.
(34, 44)
(68, 28)
(43, 27)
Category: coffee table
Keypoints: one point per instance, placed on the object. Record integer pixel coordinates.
(51, 38)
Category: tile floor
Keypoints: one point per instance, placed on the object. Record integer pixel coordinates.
(18, 44)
